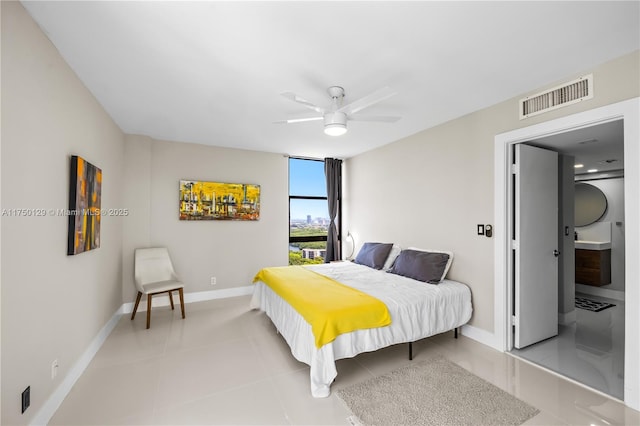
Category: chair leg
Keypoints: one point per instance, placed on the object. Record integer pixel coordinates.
(135, 307)
(171, 298)
(181, 301)
(149, 310)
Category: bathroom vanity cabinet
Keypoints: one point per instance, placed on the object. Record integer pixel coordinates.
(593, 267)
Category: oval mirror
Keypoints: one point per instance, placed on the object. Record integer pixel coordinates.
(590, 204)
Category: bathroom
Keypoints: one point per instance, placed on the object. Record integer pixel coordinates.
(589, 347)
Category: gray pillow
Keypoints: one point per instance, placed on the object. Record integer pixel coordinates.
(420, 265)
(373, 255)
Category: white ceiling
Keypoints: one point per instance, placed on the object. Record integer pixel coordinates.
(211, 72)
(599, 147)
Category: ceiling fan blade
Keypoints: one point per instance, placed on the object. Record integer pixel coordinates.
(295, 98)
(375, 97)
(381, 118)
(298, 120)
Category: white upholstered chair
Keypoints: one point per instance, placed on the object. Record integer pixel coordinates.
(154, 274)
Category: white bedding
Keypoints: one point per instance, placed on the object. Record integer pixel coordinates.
(417, 309)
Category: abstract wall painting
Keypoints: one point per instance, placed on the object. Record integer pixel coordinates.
(201, 200)
(85, 186)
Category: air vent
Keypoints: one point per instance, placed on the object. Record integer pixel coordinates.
(567, 94)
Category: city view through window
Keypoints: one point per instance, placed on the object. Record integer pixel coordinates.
(308, 212)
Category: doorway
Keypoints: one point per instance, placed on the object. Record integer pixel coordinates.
(587, 345)
(629, 112)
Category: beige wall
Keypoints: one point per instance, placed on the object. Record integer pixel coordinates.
(53, 305)
(431, 189)
(232, 251)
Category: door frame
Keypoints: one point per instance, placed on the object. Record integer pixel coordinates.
(629, 111)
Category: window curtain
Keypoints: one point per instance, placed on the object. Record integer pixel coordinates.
(333, 174)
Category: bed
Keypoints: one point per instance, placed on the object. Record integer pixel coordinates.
(417, 309)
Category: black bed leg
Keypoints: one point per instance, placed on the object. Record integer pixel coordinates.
(410, 351)
(455, 333)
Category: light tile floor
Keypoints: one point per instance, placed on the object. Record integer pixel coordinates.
(590, 350)
(225, 364)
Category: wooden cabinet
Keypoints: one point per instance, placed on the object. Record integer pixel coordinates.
(593, 267)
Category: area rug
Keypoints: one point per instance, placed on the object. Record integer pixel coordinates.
(433, 392)
(592, 305)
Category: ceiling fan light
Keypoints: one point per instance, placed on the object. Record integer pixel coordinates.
(335, 129)
(335, 123)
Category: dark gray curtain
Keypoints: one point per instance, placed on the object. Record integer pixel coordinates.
(333, 173)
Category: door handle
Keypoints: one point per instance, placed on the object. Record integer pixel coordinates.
(556, 253)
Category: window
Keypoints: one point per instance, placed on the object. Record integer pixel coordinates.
(308, 211)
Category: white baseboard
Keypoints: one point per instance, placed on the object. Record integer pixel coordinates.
(599, 291)
(52, 404)
(43, 416)
(482, 336)
(199, 296)
(568, 318)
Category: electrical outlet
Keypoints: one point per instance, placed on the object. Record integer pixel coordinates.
(26, 399)
(213, 281)
(54, 369)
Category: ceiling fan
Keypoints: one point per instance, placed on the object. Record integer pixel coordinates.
(336, 115)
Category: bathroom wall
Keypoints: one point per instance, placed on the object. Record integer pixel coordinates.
(567, 266)
(614, 191)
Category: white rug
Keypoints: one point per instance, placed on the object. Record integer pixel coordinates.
(433, 392)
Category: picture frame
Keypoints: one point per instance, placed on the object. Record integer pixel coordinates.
(203, 200)
(85, 193)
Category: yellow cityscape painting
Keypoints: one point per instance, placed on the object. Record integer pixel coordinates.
(201, 200)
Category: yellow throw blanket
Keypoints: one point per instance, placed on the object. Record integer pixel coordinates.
(330, 307)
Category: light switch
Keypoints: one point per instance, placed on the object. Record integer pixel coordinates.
(480, 229)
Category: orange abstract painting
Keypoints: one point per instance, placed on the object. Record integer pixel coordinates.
(85, 188)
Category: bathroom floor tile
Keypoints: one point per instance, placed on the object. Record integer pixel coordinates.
(590, 351)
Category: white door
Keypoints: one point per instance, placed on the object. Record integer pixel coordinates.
(536, 245)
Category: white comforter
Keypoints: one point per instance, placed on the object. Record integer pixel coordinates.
(417, 309)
